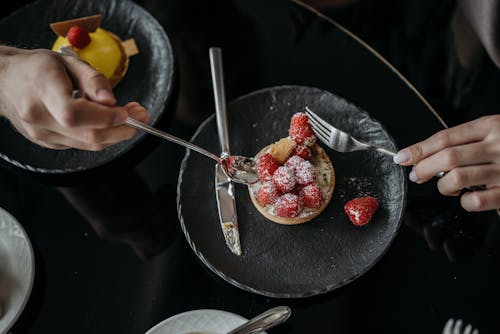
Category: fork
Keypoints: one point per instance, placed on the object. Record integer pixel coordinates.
(339, 140)
(455, 327)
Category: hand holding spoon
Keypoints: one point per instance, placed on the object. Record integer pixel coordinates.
(239, 168)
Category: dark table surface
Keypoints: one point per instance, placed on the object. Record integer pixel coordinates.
(110, 255)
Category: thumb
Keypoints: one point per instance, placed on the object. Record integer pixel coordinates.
(93, 83)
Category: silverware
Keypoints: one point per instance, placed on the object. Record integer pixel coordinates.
(339, 140)
(455, 327)
(263, 321)
(224, 188)
(239, 168)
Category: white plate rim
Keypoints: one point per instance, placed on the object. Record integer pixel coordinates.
(31, 279)
(190, 313)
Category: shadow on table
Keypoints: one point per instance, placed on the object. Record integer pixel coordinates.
(448, 228)
(122, 208)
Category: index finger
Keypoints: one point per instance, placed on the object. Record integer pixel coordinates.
(75, 113)
(56, 94)
(462, 134)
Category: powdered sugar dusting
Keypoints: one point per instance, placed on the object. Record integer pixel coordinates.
(268, 193)
(288, 205)
(360, 185)
(294, 161)
(305, 173)
(284, 178)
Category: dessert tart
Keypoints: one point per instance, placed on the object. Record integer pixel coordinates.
(296, 177)
(102, 49)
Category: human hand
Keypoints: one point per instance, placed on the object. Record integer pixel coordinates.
(469, 152)
(36, 96)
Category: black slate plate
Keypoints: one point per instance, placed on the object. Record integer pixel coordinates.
(149, 79)
(303, 260)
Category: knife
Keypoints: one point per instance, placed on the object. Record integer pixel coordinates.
(224, 188)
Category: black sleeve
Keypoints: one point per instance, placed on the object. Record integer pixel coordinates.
(483, 16)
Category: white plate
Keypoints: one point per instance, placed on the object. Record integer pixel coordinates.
(199, 322)
(17, 269)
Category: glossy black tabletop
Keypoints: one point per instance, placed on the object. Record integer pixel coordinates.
(110, 254)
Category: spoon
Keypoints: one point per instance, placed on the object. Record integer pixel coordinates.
(263, 321)
(238, 168)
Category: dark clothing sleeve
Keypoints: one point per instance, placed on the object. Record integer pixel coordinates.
(484, 17)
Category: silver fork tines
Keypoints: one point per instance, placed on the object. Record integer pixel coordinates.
(455, 327)
(337, 139)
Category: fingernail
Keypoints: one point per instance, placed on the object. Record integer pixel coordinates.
(120, 118)
(104, 94)
(402, 156)
(413, 176)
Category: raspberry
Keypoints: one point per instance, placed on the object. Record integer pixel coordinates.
(266, 167)
(302, 151)
(284, 179)
(78, 36)
(229, 162)
(300, 130)
(267, 194)
(310, 196)
(294, 161)
(288, 206)
(305, 173)
(360, 210)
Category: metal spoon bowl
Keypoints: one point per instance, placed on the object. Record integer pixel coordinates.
(263, 321)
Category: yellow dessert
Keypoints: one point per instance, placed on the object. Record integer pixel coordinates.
(104, 51)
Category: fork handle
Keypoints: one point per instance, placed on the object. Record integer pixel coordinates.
(385, 151)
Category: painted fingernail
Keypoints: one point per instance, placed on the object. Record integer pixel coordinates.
(120, 118)
(413, 176)
(402, 156)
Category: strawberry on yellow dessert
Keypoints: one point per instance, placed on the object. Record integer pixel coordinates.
(296, 176)
(102, 49)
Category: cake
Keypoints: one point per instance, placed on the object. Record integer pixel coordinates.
(296, 176)
(102, 49)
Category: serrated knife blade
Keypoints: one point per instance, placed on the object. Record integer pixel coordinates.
(226, 205)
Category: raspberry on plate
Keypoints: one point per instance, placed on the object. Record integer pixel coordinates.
(302, 151)
(310, 196)
(284, 179)
(360, 210)
(305, 173)
(300, 130)
(268, 193)
(266, 166)
(288, 206)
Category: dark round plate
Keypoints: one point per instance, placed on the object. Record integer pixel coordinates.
(302, 260)
(149, 79)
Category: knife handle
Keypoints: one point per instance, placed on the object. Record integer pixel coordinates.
(220, 98)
